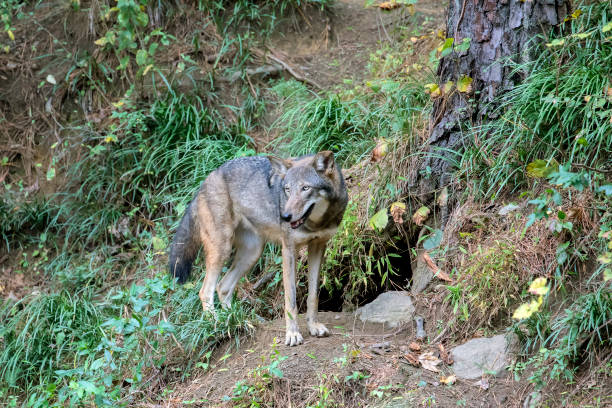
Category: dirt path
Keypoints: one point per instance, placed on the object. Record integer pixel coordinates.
(332, 49)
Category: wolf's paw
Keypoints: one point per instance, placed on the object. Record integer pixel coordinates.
(209, 310)
(318, 329)
(293, 338)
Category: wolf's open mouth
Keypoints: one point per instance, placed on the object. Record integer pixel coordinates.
(299, 222)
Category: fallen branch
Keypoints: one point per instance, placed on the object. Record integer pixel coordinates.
(293, 72)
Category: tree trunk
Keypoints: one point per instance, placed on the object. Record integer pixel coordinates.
(499, 30)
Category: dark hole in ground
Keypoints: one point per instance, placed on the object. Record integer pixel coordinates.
(334, 301)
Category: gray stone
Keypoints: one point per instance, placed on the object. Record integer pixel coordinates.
(487, 355)
(391, 308)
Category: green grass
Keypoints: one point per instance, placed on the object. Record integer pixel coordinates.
(347, 123)
(561, 110)
(42, 332)
(152, 160)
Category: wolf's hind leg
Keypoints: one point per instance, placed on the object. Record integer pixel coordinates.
(249, 246)
(216, 229)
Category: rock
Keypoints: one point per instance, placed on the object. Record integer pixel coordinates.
(391, 308)
(487, 355)
(421, 276)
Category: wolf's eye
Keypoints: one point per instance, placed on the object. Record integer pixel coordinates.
(305, 188)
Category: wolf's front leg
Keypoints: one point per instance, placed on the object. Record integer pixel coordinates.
(292, 334)
(315, 256)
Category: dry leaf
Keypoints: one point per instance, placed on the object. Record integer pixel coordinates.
(445, 355)
(388, 5)
(421, 215)
(397, 212)
(412, 359)
(435, 269)
(429, 361)
(482, 383)
(414, 346)
(450, 380)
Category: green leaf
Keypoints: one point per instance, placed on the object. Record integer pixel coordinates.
(446, 47)
(158, 243)
(433, 241)
(141, 57)
(50, 173)
(464, 45)
(379, 220)
(541, 168)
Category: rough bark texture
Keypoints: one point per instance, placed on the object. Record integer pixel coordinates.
(499, 30)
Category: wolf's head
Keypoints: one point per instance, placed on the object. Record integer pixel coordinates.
(308, 185)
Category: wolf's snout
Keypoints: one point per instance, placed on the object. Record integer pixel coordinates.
(286, 216)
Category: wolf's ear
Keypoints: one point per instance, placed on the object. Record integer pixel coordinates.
(324, 162)
(279, 166)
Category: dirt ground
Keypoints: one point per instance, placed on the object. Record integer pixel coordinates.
(372, 349)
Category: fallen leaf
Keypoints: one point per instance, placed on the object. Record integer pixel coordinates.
(429, 361)
(412, 359)
(397, 212)
(414, 346)
(450, 380)
(421, 215)
(445, 355)
(51, 79)
(388, 5)
(482, 383)
(435, 269)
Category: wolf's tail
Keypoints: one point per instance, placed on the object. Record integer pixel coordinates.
(185, 245)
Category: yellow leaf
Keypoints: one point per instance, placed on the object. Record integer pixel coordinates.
(465, 84)
(100, 41)
(118, 104)
(448, 86)
(538, 287)
(433, 90)
(525, 310)
(420, 215)
(147, 69)
(605, 258)
(607, 27)
(11, 35)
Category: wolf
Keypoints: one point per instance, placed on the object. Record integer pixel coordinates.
(249, 201)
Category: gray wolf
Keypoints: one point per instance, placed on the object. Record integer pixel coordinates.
(253, 200)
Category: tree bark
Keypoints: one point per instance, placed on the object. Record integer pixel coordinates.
(499, 30)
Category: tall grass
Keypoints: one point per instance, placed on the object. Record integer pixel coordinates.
(43, 332)
(560, 111)
(348, 124)
(153, 159)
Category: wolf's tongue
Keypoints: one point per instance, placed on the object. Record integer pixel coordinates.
(296, 224)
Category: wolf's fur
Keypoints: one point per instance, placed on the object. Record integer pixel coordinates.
(253, 200)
